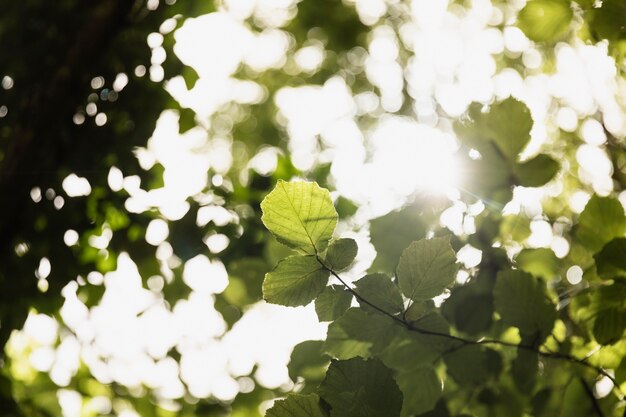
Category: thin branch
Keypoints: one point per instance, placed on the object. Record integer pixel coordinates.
(467, 342)
(592, 398)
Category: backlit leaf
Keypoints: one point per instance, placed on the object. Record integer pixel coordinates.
(300, 214)
(426, 268)
(602, 220)
(545, 20)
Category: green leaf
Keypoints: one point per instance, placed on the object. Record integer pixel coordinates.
(524, 370)
(515, 227)
(295, 281)
(392, 233)
(426, 268)
(341, 253)
(296, 405)
(187, 120)
(301, 215)
(469, 310)
(308, 361)
(507, 124)
(361, 388)
(407, 350)
(332, 303)
(421, 389)
(358, 333)
(380, 291)
(190, 76)
(607, 21)
(609, 325)
(521, 301)
(473, 365)
(611, 260)
(602, 220)
(541, 262)
(536, 172)
(545, 20)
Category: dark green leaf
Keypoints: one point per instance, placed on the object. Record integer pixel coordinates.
(521, 301)
(341, 253)
(524, 370)
(536, 172)
(361, 388)
(187, 120)
(295, 281)
(611, 260)
(296, 405)
(308, 361)
(332, 303)
(421, 389)
(473, 365)
(609, 325)
(358, 333)
(602, 220)
(381, 292)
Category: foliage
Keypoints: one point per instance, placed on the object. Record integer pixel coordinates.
(528, 330)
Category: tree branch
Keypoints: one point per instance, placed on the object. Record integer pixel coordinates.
(466, 342)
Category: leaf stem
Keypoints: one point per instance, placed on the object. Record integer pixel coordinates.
(467, 342)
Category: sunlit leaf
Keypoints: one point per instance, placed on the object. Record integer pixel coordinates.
(295, 281)
(361, 388)
(300, 214)
(332, 302)
(541, 262)
(426, 268)
(602, 220)
(521, 301)
(381, 292)
(545, 20)
(296, 405)
(341, 253)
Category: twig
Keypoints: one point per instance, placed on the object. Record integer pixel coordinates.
(467, 342)
(594, 400)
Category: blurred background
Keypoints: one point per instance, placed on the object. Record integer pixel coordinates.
(137, 139)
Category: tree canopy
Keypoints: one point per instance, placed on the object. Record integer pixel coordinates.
(331, 208)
